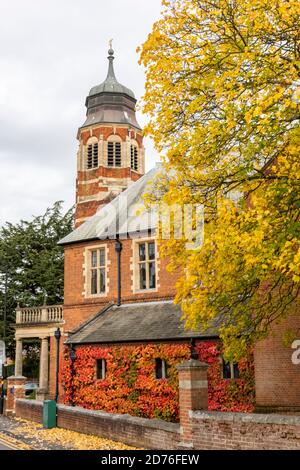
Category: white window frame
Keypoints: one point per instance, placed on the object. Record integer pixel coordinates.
(103, 369)
(232, 377)
(137, 264)
(164, 369)
(88, 270)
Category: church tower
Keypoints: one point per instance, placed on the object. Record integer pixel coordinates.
(111, 153)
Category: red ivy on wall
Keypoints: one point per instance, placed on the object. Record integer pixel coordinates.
(130, 385)
(224, 394)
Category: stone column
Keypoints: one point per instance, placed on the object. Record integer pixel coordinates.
(193, 395)
(44, 369)
(19, 358)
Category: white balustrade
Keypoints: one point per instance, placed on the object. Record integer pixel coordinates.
(45, 314)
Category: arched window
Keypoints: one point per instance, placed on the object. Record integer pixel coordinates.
(134, 157)
(92, 154)
(114, 151)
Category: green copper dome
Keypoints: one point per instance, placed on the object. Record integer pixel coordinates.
(111, 84)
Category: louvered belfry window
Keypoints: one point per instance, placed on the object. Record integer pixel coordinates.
(134, 157)
(92, 156)
(114, 154)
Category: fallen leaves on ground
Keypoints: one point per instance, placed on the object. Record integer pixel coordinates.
(63, 437)
(12, 441)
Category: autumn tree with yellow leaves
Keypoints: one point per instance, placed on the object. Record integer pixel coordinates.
(222, 93)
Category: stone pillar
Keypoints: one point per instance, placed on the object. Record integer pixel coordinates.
(15, 389)
(193, 395)
(44, 369)
(19, 358)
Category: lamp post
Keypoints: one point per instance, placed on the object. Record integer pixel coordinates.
(72, 358)
(57, 335)
(194, 354)
(5, 306)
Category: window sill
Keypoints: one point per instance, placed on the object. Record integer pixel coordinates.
(143, 291)
(95, 296)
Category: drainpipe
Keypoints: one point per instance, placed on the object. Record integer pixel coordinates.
(118, 248)
(57, 335)
(72, 359)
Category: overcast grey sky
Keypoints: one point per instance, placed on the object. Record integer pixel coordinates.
(51, 53)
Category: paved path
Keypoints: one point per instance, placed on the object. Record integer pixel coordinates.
(27, 435)
(6, 445)
(8, 439)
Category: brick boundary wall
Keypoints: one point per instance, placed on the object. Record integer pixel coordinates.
(199, 428)
(138, 432)
(209, 429)
(29, 409)
(244, 431)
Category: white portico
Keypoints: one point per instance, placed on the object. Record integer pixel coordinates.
(41, 323)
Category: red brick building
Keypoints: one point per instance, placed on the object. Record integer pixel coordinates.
(122, 336)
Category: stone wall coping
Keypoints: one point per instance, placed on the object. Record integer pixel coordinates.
(192, 364)
(124, 418)
(16, 377)
(31, 402)
(258, 418)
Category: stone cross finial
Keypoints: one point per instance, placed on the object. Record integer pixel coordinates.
(110, 43)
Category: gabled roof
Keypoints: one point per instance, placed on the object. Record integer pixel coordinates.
(137, 322)
(124, 214)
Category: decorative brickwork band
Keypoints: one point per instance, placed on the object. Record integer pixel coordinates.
(193, 395)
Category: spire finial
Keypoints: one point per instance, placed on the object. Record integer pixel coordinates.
(110, 50)
(110, 73)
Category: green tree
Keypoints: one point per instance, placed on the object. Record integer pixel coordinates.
(31, 263)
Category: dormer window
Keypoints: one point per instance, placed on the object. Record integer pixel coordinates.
(134, 157)
(114, 154)
(92, 155)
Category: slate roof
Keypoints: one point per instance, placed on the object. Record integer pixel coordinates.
(124, 214)
(147, 321)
